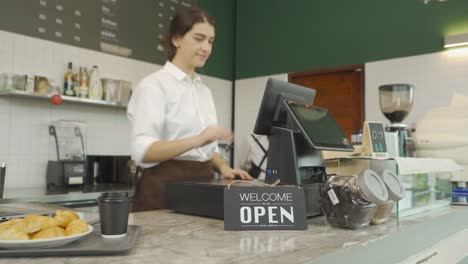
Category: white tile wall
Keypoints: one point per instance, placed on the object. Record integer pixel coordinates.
(4, 133)
(24, 140)
(249, 93)
(436, 77)
(4, 105)
(222, 94)
(6, 54)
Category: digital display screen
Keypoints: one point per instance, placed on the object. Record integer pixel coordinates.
(377, 135)
(319, 127)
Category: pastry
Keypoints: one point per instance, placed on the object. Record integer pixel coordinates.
(76, 226)
(33, 223)
(6, 224)
(50, 232)
(13, 234)
(65, 223)
(72, 214)
(63, 219)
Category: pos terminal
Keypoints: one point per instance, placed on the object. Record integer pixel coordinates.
(297, 133)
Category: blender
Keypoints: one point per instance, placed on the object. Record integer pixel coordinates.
(396, 101)
(70, 167)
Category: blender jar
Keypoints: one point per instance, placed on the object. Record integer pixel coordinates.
(69, 139)
(350, 201)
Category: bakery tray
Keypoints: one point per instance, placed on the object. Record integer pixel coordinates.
(91, 245)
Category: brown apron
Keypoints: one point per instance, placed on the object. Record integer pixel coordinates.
(151, 186)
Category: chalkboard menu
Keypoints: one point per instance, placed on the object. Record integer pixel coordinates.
(129, 28)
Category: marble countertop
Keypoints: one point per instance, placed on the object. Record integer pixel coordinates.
(169, 237)
(40, 194)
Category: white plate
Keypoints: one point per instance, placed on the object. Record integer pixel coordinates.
(43, 243)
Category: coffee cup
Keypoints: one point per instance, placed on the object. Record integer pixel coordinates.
(114, 209)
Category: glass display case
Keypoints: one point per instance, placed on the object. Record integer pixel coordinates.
(427, 181)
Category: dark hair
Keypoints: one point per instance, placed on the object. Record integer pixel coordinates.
(181, 23)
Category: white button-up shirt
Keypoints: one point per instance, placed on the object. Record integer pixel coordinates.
(170, 105)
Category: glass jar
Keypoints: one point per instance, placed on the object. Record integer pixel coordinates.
(342, 210)
(10, 81)
(382, 212)
(396, 192)
(350, 201)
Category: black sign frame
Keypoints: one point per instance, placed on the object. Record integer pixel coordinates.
(264, 208)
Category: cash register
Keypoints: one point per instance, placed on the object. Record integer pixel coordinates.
(297, 132)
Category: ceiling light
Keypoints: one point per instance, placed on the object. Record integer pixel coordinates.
(456, 40)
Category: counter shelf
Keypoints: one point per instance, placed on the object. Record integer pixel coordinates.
(65, 98)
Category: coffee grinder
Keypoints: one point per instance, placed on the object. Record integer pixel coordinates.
(70, 167)
(396, 101)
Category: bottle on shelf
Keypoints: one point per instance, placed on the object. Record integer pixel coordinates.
(95, 85)
(77, 81)
(84, 83)
(68, 82)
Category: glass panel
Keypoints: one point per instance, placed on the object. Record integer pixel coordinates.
(424, 192)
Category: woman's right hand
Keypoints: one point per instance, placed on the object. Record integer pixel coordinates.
(213, 133)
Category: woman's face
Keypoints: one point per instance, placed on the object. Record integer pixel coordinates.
(194, 48)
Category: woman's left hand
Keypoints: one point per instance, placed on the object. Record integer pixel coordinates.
(230, 173)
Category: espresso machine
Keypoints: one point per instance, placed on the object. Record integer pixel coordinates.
(396, 101)
(70, 168)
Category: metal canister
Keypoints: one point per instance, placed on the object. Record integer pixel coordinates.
(41, 85)
(13, 81)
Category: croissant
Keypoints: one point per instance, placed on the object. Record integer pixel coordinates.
(5, 225)
(33, 223)
(76, 226)
(63, 219)
(71, 213)
(25, 225)
(50, 232)
(43, 227)
(13, 234)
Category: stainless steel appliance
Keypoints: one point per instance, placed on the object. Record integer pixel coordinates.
(117, 91)
(70, 166)
(104, 169)
(396, 101)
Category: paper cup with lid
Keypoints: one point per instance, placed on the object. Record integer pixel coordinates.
(114, 209)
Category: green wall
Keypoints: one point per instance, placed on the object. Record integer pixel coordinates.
(220, 63)
(277, 36)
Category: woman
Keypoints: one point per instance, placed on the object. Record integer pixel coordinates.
(173, 117)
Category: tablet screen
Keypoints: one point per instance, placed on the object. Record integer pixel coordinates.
(319, 127)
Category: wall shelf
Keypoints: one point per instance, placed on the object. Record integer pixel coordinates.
(65, 98)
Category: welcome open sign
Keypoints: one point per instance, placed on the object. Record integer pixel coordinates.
(264, 208)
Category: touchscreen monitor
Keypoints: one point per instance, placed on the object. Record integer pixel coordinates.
(271, 113)
(318, 127)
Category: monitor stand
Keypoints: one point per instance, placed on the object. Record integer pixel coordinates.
(294, 162)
